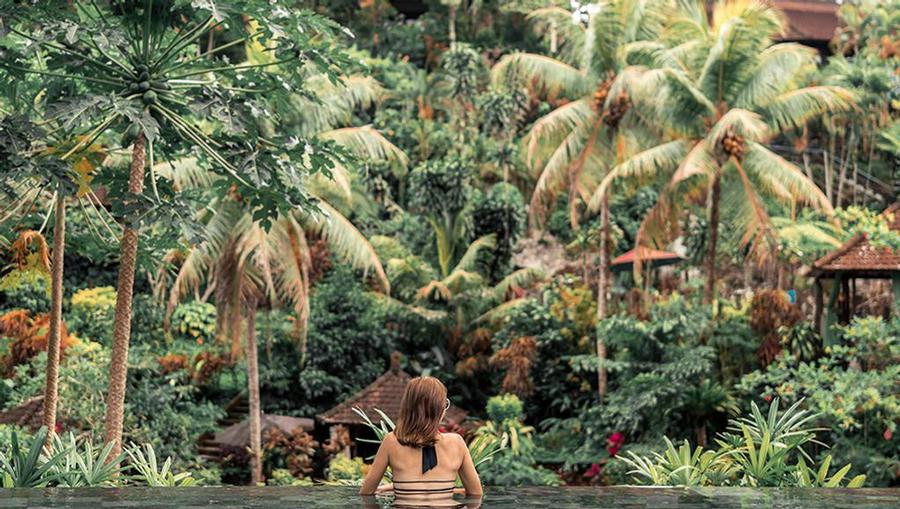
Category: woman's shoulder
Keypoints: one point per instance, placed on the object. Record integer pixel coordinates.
(453, 438)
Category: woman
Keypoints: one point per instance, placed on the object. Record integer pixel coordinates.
(424, 462)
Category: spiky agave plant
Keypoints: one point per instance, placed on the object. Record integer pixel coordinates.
(172, 77)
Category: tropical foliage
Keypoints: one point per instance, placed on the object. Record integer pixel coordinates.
(596, 222)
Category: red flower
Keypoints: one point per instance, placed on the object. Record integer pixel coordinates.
(768, 398)
(594, 471)
(58, 428)
(888, 434)
(614, 443)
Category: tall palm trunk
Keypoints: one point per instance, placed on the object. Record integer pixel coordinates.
(118, 368)
(452, 25)
(253, 391)
(602, 287)
(715, 194)
(235, 319)
(54, 339)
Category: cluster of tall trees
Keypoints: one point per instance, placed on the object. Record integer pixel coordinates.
(185, 97)
(673, 95)
(247, 104)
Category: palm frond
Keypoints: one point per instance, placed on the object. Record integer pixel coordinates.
(651, 162)
(542, 74)
(334, 103)
(518, 279)
(551, 21)
(347, 242)
(739, 121)
(367, 143)
(773, 170)
(470, 257)
(778, 67)
(186, 173)
(758, 231)
(557, 125)
(336, 188)
(791, 110)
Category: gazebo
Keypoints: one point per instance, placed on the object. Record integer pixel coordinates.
(384, 394)
(856, 259)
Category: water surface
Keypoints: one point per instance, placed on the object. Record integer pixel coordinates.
(495, 498)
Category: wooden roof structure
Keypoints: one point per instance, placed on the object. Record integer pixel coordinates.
(384, 394)
(859, 258)
(651, 257)
(810, 20)
(28, 414)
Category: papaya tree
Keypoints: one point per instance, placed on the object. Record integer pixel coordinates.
(166, 78)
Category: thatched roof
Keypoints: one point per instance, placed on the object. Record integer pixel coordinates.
(384, 394)
(858, 258)
(27, 415)
(239, 434)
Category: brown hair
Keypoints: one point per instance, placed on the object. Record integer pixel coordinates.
(421, 411)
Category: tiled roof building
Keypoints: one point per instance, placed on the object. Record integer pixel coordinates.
(384, 394)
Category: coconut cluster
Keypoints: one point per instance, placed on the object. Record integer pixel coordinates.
(733, 144)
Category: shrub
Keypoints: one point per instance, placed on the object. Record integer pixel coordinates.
(513, 465)
(195, 321)
(342, 468)
(293, 452)
(756, 451)
(92, 313)
(25, 290)
(852, 387)
(23, 336)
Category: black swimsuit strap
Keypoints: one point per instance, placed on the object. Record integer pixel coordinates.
(429, 458)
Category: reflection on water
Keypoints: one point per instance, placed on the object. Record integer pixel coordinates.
(495, 498)
(380, 502)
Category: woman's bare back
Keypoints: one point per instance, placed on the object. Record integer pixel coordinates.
(410, 483)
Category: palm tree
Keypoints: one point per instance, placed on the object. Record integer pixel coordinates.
(135, 66)
(248, 264)
(581, 139)
(234, 241)
(721, 89)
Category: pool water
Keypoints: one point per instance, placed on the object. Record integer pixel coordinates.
(495, 498)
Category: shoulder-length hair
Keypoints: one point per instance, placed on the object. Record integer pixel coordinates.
(421, 411)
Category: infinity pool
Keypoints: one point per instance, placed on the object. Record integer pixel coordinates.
(495, 498)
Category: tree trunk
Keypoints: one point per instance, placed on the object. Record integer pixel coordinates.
(716, 189)
(54, 338)
(118, 366)
(602, 304)
(253, 391)
(452, 25)
(235, 320)
(554, 38)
